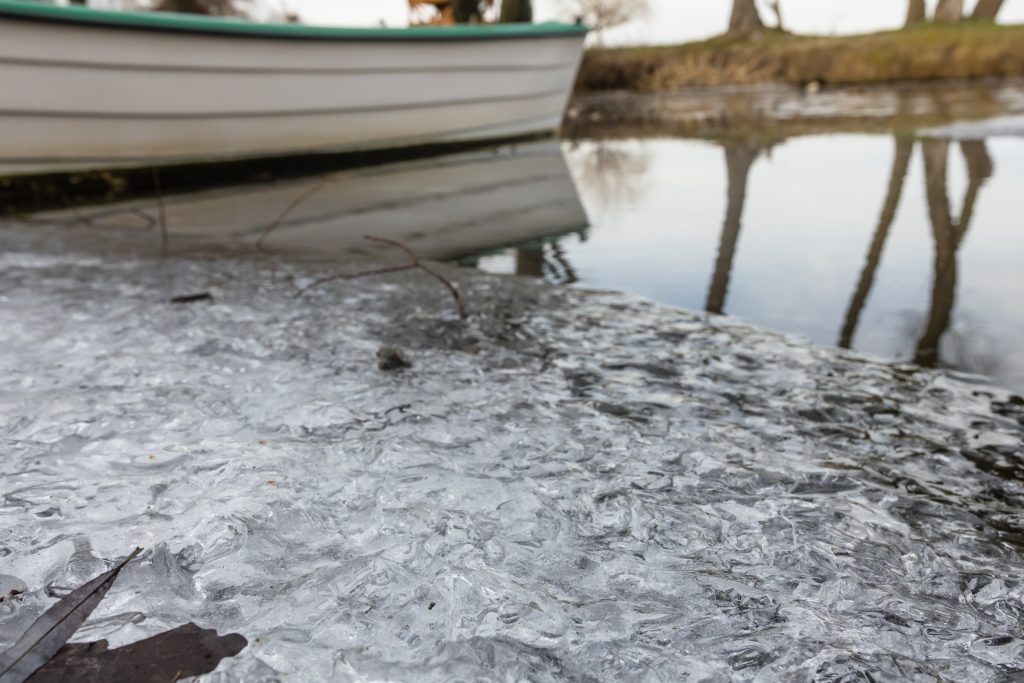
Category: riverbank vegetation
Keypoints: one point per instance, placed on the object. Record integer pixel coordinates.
(919, 52)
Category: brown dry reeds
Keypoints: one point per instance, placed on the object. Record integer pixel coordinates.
(921, 53)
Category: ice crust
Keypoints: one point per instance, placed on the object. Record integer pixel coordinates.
(570, 486)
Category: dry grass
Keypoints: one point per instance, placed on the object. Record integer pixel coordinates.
(927, 52)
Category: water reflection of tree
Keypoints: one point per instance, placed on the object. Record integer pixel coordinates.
(739, 157)
(610, 171)
(545, 260)
(900, 164)
(948, 235)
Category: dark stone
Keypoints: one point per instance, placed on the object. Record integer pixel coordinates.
(391, 358)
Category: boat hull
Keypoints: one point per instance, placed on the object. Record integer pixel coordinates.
(86, 93)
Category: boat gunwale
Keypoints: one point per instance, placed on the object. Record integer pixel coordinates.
(196, 25)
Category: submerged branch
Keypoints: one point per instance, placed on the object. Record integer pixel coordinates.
(414, 262)
(287, 210)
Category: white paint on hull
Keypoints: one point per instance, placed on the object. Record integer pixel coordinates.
(81, 95)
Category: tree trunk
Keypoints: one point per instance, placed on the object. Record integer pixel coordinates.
(745, 18)
(915, 12)
(987, 10)
(777, 11)
(516, 11)
(465, 11)
(949, 10)
(211, 7)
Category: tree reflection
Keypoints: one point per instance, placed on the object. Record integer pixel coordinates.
(545, 260)
(739, 157)
(610, 171)
(948, 234)
(900, 164)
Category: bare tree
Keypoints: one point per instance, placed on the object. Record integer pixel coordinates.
(916, 12)
(513, 11)
(949, 10)
(987, 10)
(466, 11)
(603, 14)
(745, 17)
(776, 8)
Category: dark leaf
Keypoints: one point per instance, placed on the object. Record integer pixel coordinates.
(11, 587)
(170, 656)
(50, 631)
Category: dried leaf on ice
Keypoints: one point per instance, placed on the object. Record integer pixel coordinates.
(50, 631)
(170, 656)
(11, 587)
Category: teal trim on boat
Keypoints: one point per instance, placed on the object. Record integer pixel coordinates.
(218, 26)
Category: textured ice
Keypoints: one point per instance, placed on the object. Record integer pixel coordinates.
(570, 486)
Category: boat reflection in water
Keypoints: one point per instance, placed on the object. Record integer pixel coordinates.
(442, 208)
(903, 248)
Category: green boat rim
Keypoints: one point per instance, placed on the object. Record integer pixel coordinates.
(221, 26)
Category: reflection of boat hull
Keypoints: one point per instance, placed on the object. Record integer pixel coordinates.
(443, 208)
(86, 87)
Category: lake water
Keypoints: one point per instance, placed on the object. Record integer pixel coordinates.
(903, 248)
(836, 237)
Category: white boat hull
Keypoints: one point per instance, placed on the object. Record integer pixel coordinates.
(74, 94)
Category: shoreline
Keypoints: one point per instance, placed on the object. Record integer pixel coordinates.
(923, 53)
(776, 111)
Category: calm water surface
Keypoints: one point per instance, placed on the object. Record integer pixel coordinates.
(902, 249)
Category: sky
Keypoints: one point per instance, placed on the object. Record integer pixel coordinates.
(669, 21)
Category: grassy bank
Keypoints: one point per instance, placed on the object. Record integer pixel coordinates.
(921, 53)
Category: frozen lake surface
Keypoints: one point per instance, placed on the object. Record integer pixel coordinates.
(570, 486)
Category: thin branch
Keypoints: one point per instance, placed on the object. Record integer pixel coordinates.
(288, 209)
(394, 243)
(460, 303)
(353, 276)
(414, 262)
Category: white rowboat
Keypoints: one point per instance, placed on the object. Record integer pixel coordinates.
(87, 88)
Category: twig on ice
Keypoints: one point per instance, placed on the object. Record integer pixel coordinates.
(414, 262)
(287, 210)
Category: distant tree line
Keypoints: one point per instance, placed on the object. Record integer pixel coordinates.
(953, 11)
(601, 14)
(745, 17)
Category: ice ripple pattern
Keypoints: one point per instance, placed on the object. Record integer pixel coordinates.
(572, 486)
